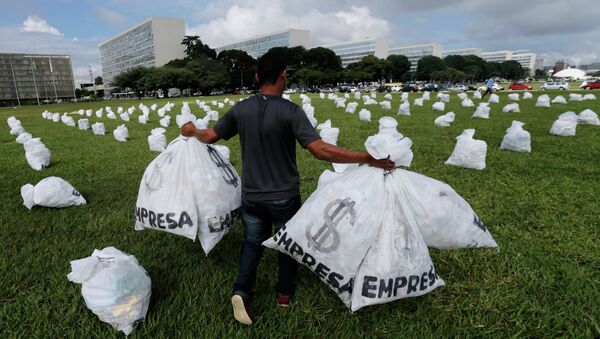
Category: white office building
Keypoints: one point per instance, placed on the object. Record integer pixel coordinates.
(415, 52)
(154, 42)
(261, 44)
(463, 51)
(497, 56)
(527, 60)
(354, 51)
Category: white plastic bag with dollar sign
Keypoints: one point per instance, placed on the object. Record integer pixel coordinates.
(335, 227)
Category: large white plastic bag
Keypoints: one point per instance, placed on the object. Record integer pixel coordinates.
(17, 130)
(513, 107)
(482, 111)
(114, 287)
(404, 108)
(223, 150)
(575, 97)
(442, 216)
(23, 138)
(586, 117)
(468, 152)
(189, 190)
(13, 122)
(38, 156)
(426, 95)
(527, 95)
(543, 101)
(559, 99)
(385, 105)
(388, 142)
(444, 120)
(494, 99)
(121, 133)
(83, 124)
(438, 106)
(330, 135)
(157, 141)
(399, 265)
(516, 138)
(467, 103)
(444, 97)
(335, 227)
(589, 96)
(98, 128)
(165, 122)
(476, 95)
(364, 115)
(462, 96)
(351, 107)
(513, 96)
(565, 125)
(418, 102)
(51, 192)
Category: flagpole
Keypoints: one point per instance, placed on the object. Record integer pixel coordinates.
(37, 95)
(14, 80)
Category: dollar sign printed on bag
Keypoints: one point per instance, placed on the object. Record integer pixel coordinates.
(229, 176)
(479, 223)
(340, 208)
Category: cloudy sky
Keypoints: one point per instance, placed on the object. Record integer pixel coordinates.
(553, 28)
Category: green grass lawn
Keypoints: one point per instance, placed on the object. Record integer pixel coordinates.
(542, 209)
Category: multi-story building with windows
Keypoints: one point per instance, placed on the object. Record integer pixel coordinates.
(35, 77)
(497, 56)
(153, 42)
(415, 52)
(463, 51)
(527, 60)
(354, 51)
(260, 44)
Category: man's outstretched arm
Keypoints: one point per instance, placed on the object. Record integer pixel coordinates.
(207, 135)
(331, 153)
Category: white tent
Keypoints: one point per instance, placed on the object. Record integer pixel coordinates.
(572, 73)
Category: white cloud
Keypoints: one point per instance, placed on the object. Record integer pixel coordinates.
(259, 17)
(111, 18)
(35, 24)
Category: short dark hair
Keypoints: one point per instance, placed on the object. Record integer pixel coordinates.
(269, 66)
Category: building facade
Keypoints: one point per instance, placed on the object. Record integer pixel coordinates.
(463, 51)
(260, 44)
(527, 60)
(350, 52)
(415, 52)
(154, 42)
(497, 56)
(36, 77)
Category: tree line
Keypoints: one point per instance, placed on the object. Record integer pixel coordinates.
(203, 70)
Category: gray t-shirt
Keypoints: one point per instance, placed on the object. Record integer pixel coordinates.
(268, 127)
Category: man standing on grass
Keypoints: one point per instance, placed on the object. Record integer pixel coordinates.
(269, 127)
(489, 86)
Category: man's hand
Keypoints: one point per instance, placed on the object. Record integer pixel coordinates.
(188, 130)
(386, 163)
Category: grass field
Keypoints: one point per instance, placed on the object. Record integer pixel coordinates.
(542, 209)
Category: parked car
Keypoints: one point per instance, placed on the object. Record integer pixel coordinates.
(471, 88)
(457, 88)
(396, 88)
(555, 85)
(519, 86)
(495, 88)
(430, 88)
(590, 84)
(410, 88)
(344, 88)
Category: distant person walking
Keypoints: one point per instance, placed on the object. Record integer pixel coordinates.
(489, 87)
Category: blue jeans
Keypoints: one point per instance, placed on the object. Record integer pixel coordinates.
(258, 218)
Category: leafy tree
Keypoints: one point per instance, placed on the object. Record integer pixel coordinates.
(98, 81)
(492, 69)
(427, 65)
(208, 74)
(541, 74)
(130, 79)
(240, 65)
(194, 48)
(176, 63)
(455, 61)
(512, 69)
(322, 59)
(397, 67)
(449, 74)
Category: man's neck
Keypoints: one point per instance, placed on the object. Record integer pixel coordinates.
(270, 90)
